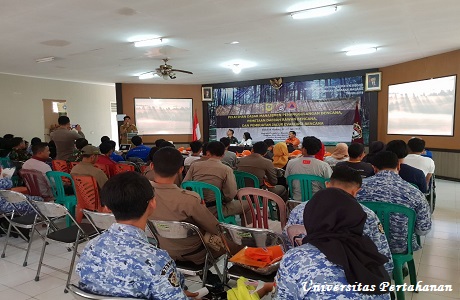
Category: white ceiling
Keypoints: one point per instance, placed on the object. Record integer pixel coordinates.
(89, 38)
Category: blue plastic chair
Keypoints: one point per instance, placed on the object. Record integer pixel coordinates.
(198, 187)
(383, 210)
(57, 187)
(306, 187)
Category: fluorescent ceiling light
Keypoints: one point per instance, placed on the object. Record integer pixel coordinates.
(360, 51)
(237, 65)
(44, 59)
(315, 12)
(147, 75)
(234, 43)
(149, 42)
(236, 68)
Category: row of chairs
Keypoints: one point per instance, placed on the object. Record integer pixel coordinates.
(120, 167)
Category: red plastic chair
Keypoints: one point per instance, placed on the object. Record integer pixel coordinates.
(145, 169)
(121, 168)
(87, 195)
(60, 165)
(260, 215)
(37, 184)
(72, 164)
(105, 168)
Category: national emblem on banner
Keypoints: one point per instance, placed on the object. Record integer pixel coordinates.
(268, 107)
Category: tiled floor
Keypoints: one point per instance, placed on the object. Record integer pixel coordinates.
(437, 263)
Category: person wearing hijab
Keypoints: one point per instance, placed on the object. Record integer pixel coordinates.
(374, 148)
(340, 154)
(320, 154)
(247, 139)
(280, 155)
(334, 253)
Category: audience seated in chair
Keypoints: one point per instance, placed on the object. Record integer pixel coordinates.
(140, 150)
(196, 153)
(104, 158)
(41, 154)
(356, 154)
(339, 154)
(107, 263)
(86, 166)
(416, 160)
(214, 172)
(387, 186)
(229, 157)
(263, 169)
(18, 149)
(349, 181)
(76, 154)
(335, 253)
(114, 156)
(270, 144)
(308, 164)
(176, 204)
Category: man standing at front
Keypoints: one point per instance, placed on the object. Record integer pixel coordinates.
(125, 128)
(121, 262)
(292, 140)
(64, 138)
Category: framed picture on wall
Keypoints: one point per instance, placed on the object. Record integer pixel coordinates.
(206, 93)
(373, 82)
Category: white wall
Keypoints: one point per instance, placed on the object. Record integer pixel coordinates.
(21, 107)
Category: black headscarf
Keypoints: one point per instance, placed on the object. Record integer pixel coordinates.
(334, 221)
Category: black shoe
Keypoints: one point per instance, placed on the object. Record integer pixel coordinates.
(405, 271)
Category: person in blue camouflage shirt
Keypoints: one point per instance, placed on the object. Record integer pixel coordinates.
(121, 262)
(387, 186)
(349, 180)
(23, 208)
(336, 260)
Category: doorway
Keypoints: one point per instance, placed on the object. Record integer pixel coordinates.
(52, 110)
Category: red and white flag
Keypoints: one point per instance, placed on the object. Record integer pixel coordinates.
(357, 135)
(196, 128)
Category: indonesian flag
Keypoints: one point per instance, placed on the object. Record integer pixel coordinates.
(196, 128)
(357, 135)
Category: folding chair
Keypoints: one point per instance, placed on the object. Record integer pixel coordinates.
(199, 187)
(60, 165)
(255, 198)
(383, 210)
(306, 187)
(100, 221)
(80, 294)
(183, 230)
(295, 234)
(57, 181)
(16, 220)
(71, 236)
(87, 195)
(248, 237)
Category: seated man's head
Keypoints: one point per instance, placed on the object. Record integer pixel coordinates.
(113, 144)
(416, 145)
(90, 154)
(35, 141)
(292, 134)
(270, 143)
(385, 160)
(167, 163)
(64, 121)
(17, 143)
(260, 148)
(159, 141)
(136, 140)
(106, 148)
(129, 196)
(356, 151)
(166, 144)
(225, 141)
(105, 139)
(398, 147)
(215, 149)
(41, 151)
(196, 146)
(80, 143)
(310, 145)
(230, 133)
(347, 179)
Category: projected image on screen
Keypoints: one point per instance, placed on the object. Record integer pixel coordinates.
(163, 116)
(423, 107)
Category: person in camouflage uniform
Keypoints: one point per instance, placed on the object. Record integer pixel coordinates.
(77, 154)
(121, 262)
(18, 150)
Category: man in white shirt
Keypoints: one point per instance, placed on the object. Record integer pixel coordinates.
(196, 147)
(41, 153)
(416, 160)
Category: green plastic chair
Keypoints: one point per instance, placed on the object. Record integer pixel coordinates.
(57, 187)
(383, 210)
(5, 162)
(306, 187)
(241, 178)
(198, 187)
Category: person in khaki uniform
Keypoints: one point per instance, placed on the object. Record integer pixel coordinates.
(64, 138)
(125, 128)
(86, 166)
(176, 204)
(214, 172)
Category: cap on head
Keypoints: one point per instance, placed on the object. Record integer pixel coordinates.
(90, 150)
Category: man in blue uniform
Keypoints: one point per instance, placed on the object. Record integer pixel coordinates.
(121, 262)
(350, 181)
(387, 186)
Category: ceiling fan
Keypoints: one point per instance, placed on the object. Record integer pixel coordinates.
(166, 71)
